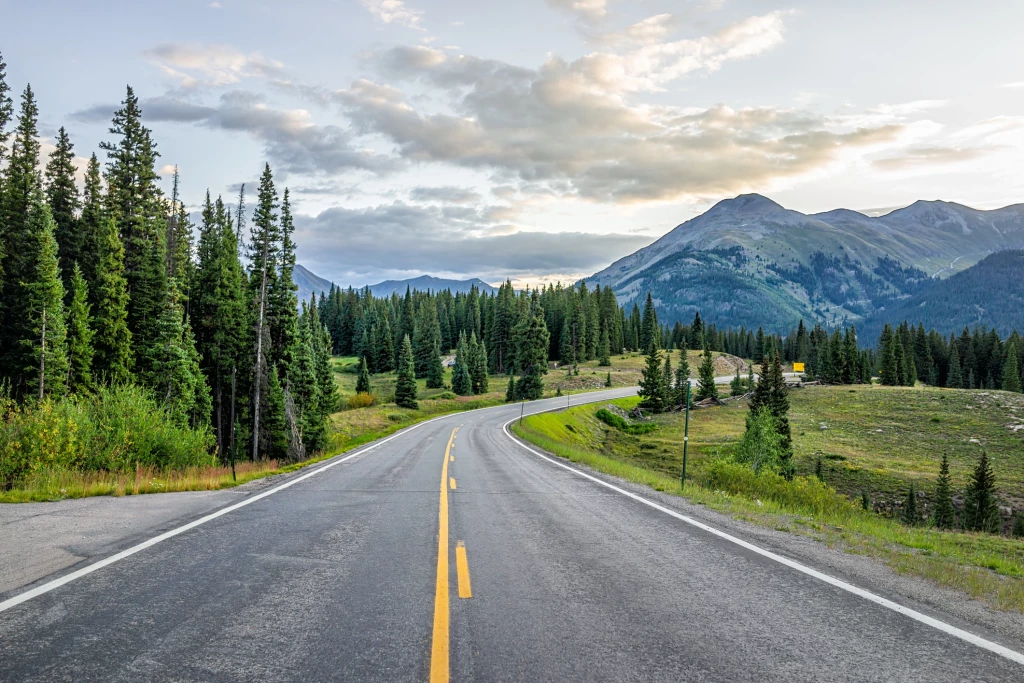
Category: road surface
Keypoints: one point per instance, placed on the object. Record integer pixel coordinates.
(450, 550)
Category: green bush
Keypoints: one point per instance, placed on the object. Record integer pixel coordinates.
(616, 421)
(803, 494)
(445, 396)
(361, 400)
(761, 446)
(115, 429)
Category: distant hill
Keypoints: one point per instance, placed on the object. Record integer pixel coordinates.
(425, 282)
(989, 293)
(309, 283)
(749, 261)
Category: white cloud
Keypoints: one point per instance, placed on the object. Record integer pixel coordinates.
(1014, 85)
(585, 10)
(215, 5)
(194, 65)
(395, 12)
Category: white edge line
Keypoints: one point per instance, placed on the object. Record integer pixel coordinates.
(117, 557)
(996, 648)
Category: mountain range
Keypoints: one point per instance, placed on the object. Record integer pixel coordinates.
(310, 283)
(749, 261)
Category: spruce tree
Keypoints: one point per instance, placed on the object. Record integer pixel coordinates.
(263, 248)
(313, 416)
(652, 395)
(43, 339)
(320, 338)
(736, 386)
(604, 358)
(79, 334)
(93, 227)
(478, 366)
(19, 183)
(1011, 373)
(510, 389)
(6, 111)
(363, 378)
(176, 375)
(771, 393)
(134, 201)
(981, 508)
(650, 330)
(944, 515)
(682, 381)
(910, 515)
(386, 351)
(954, 376)
(113, 359)
(462, 384)
(706, 387)
(889, 371)
(62, 196)
(283, 304)
(667, 375)
(531, 342)
(405, 387)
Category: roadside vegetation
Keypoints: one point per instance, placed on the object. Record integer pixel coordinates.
(857, 452)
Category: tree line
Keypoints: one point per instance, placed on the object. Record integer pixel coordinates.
(109, 287)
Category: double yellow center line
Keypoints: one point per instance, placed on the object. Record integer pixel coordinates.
(439, 667)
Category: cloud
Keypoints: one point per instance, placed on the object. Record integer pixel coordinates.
(584, 10)
(363, 245)
(291, 140)
(215, 5)
(448, 194)
(570, 129)
(1015, 85)
(395, 12)
(193, 65)
(928, 156)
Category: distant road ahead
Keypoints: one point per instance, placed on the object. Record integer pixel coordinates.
(357, 572)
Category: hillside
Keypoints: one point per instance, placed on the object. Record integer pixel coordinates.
(309, 283)
(990, 293)
(749, 261)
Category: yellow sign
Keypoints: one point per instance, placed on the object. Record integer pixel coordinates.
(798, 367)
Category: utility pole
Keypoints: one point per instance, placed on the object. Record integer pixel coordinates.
(686, 436)
(231, 446)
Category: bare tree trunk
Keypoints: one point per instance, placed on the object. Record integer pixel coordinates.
(42, 360)
(259, 352)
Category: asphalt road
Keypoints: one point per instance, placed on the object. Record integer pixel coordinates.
(355, 573)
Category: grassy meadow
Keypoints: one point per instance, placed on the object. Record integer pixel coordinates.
(870, 439)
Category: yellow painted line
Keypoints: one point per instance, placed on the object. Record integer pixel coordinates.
(451, 480)
(462, 568)
(439, 650)
(451, 458)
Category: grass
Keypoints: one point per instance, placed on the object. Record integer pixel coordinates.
(986, 567)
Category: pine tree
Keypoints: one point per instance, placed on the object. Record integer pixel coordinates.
(62, 196)
(510, 389)
(6, 110)
(649, 329)
(608, 380)
(910, 515)
(363, 379)
(113, 359)
(405, 387)
(706, 387)
(652, 394)
(604, 348)
(736, 386)
(134, 201)
(981, 508)
(531, 339)
(92, 226)
(79, 334)
(478, 366)
(944, 514)
(263, 261)
(44, 340)
(667, 375)
(426, 342)
(889, 371)
(1011, 373)
(177, 377)
(771, 393)
(20, 183)
(283, 304)
(682, 382)
(954, 376)
(462, 384)
(386, 350)
(313, 415)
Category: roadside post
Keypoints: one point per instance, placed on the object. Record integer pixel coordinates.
(521, 410)
(686, 435)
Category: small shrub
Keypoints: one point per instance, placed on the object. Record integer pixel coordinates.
(361, 400)
(616, 421)
(397, 417)
(446, 396)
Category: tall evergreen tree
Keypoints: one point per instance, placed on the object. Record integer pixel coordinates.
(1011, 373)
(981, 507)
(944, 515)
(177, 377)
(650, 330)
(706, 387)
(79, 334)
(263, 260)
(283, 300)
(93, 226)
(405, 387)
(134, 201)
(652, 381)
(531, 343)
(386, 350)
(43, 341)
(363, 378)
(62, 196)
(682, 381)
(462, 384)
(113, 359)
(478, 366)
(954, 375)
(910, 515)
(771, 393)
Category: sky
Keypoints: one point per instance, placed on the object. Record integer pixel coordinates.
(538, 140)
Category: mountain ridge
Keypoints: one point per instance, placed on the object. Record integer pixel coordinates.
(750, 261)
